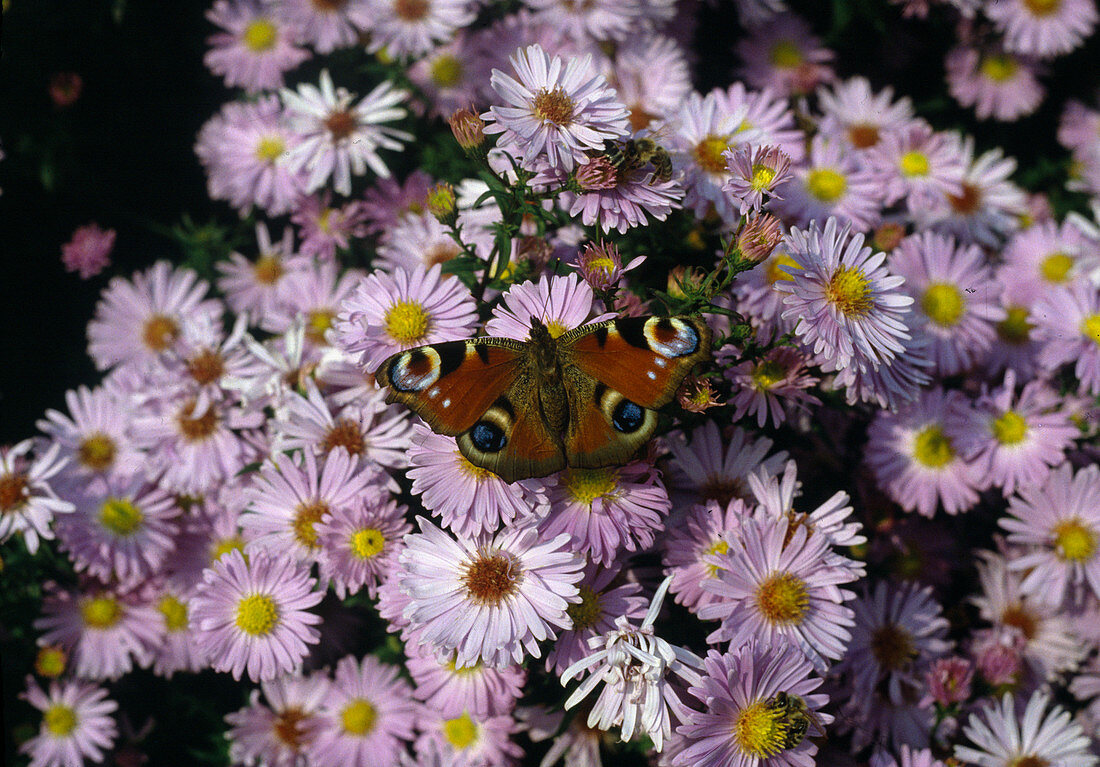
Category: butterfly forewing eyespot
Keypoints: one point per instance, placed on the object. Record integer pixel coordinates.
(671, 337)
(415, 370)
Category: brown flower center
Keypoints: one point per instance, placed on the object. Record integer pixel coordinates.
(492, 578)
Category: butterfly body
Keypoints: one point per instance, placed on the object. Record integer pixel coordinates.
(529, 408)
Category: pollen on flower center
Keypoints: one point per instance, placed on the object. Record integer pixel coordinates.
(1042, 7)
(470, 470)
(759, 730)
(206, 367)
(358, 717)
(722, 489)
(121, 516)
(490, 579)
(159, 332)
(850, 291)
(556, 329)
(586, 485)
(967, 201)
(1029, 760)
(306, 517)
(461, 732)
(267, 270)
(407, 322)
(13, 492)
(96, 452)
(863, 136)
(554, 106)
(260, 35)
(1090, 328)
(1010, 428)
(1074, 541)
(762, 176)
(340, 124)
(1014, 328)
(943, 303)
(1018, 617)
(222, 547)
(174, 612)
(269, 149)
(585, 614)
(721, 546)
(767, 374)
(708, 153)
(892, 647)
(257, 614)
(826, 184)
(319, 321)
(343, 433)
(101, 612)
(783, 598)
(1056, 267)
(446, 71)
(196, 428)
(367, 543)
(914, 164)
(288, 727)
(933, 448)
(999, 68)
(786, 55)
(59, 719)
(774, 273)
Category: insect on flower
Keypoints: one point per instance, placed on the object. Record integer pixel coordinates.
(634, 153)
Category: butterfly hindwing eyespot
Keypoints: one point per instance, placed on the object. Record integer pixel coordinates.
(490, 434)
(625, 417)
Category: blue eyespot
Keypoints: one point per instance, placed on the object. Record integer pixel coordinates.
(488, 437)
(627, 417)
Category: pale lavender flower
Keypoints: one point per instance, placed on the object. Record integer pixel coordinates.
(339, 137)
(404, 28)
(481, 690)
(450, 76)
(465, 741)
(652, 77)
(1042, 735)
(360, 543)
(326, 228)
(772, 386)
(328, 25)
(785, 55)
(592, 20)
(561, 303)
(917, 165)
(601, 266)
(178, 650)
(858, 116)
(77, 725)
(996, 84)
(1051, 255)
(253, 287)
(1068, 325)
(256, 47)
(833, 182)
(389, 201)
(775, 496)
(252, 616)
(621, 199)
(27, 501)
(277, 731)
(715, 467)
(88, 252)
(755, 171)
(1042, 29)
(555, 110)
(703, 532)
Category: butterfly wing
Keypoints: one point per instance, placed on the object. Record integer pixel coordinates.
(617, 373)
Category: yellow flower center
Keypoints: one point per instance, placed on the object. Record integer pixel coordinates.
(826, 184)
(783, 598)
(760, 730)
(267, 270)
(260, 35)
(446, 71)
(773, 272)
(100, 612)
(96, 452)
(1055, 267)
(407, 322)
(121, 517)
(358, 717)
(786, 55)
(174, 612)
(470, 470)
(943, 303)
(257, 614)
(762, 177)
(585, 614)
(1014, 328)
(719, 547)
(269, 149)
(1028, 760)
(51, 662)
(367, 543)
(914, 164)
(586, 485)
(59, 719)
(999, 68)
(933, 448)
(1090, 328)
(554, 106)
(306, 517)
(1074, 541)
(1009, 429)
(220, 548)
(461, 732)
(767, 374)
(708, 153)
(850, 291)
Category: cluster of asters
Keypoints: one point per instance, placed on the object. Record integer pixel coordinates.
(930, 330)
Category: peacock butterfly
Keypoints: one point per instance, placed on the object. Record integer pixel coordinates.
(529, 408)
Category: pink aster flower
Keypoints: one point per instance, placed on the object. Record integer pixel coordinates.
(555, 110)
(776, 494)
(705, 531)
(244, 151)
(744, 722)
(255, 48)
(77, 726)
(388, 201)
(844, 297)
(277, 731)
(606, 594)
(1042, 734)
(754, 173)
(413, 29)
(618, 199)
(785, 55)
(388, 314)
(340, 137)
(833, 182)
(418, 239)
(481, 690)
(253, 287)
(899, 631)
(326, 228)
(360, 543)
(288, 500)
(716, 467)
(468, 499)
(94, 437)
(1068, 325)
(607, 511)
(451, 76)
(949, 680)
(121, 531)
(640, 675)
(328, 26)
(595, 20)
(776, 585)
(772, 386)
(492, 600)
(27, 501)
(1045, 30)
(651, 75)
(136, 321)
(858, 116)
(104, 632)
(956, 299)
(915, 460)
(88, 252)
(1059, 523)
(1014, 440)
(253, 615)
(996, 84)
(918, 165)
(465, 741)
(367, 717)
(1051, 255)
(601, 266)
(576, 742)
(178, 650)
(559, 302)
(757, 297)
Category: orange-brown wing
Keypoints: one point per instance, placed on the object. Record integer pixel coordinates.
(644, 359)
(511, 439)
(452, 384)
(605, 428)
